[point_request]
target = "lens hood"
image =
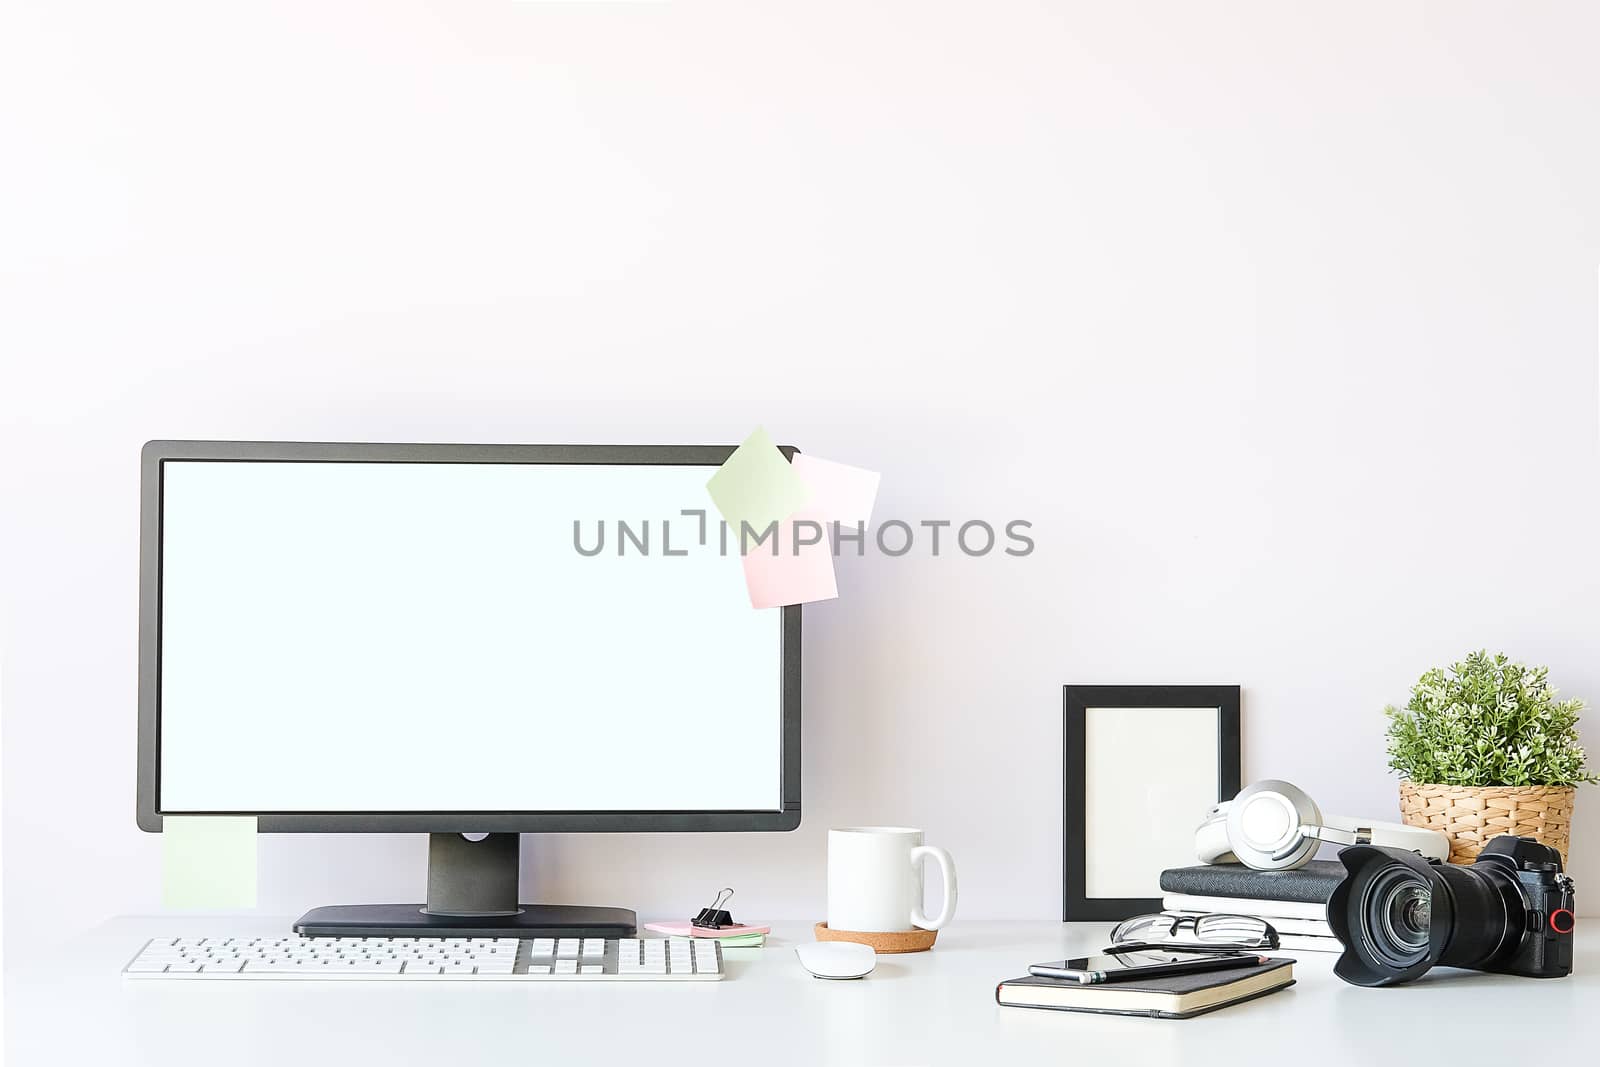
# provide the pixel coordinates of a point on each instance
(1375, 953)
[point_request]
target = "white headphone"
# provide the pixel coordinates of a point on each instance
(1274, 826)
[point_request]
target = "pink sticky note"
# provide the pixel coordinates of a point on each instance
(685, 928)
(791, 577)
(839, 493)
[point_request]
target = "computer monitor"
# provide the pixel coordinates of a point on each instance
(392, 638)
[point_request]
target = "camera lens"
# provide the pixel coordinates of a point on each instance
(1394, 913)
(1416, 906)
(1396, 916)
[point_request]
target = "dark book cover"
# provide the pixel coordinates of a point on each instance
(1311, 884)
(1155, 993)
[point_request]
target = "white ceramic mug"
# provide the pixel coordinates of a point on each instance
(875, 880)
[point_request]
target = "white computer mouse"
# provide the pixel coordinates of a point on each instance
(837, 959)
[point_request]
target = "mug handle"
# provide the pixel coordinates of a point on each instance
(947, 868)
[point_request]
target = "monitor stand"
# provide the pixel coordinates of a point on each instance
(472, 892)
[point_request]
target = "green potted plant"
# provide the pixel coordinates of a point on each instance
(1485, 748)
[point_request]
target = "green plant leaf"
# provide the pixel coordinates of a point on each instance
(1487, 721)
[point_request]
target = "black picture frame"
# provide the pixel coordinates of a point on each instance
(1077, 905)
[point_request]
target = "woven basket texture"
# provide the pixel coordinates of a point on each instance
(1469, 815)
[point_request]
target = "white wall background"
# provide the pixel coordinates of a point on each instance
(1279, 323)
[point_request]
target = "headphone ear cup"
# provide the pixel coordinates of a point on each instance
(1316, 812)
(1264, 824)
(1211, 838)
(1299, 857)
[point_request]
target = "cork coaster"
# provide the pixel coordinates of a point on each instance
(890, 941)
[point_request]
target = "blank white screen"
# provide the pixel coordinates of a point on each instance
(398, 637)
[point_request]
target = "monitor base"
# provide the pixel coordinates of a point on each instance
(410, 920)
(472, 892)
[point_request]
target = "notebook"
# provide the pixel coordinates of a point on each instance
(1307, 943)
(1270, 910)
(1178, 996)
(1312, 884)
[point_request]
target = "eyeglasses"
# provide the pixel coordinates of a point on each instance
(1197, 933)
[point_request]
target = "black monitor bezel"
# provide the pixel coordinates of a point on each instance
(156, 453)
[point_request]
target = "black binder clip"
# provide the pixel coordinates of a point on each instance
(715, 917)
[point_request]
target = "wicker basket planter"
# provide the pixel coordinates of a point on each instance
(1471, 814)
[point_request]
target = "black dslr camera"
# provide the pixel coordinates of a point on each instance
(1398, 915)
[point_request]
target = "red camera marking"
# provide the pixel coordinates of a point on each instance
(1562, 921)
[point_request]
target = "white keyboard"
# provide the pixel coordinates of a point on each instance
(493, 959)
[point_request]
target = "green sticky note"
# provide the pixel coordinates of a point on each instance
(208, 861)
(743, 941)
(756, 485)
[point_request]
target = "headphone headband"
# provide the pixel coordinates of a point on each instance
(1275, 826)
(1343, 830)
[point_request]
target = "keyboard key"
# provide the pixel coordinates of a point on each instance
(593, 968)
(594, 947)
(543, 946)
(567, 948)
(566, 966)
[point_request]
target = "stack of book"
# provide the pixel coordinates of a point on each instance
(1294, 902)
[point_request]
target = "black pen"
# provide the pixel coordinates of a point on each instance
(1096, 976)
(1163, 970)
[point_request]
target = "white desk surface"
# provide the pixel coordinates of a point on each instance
(930, 1008)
